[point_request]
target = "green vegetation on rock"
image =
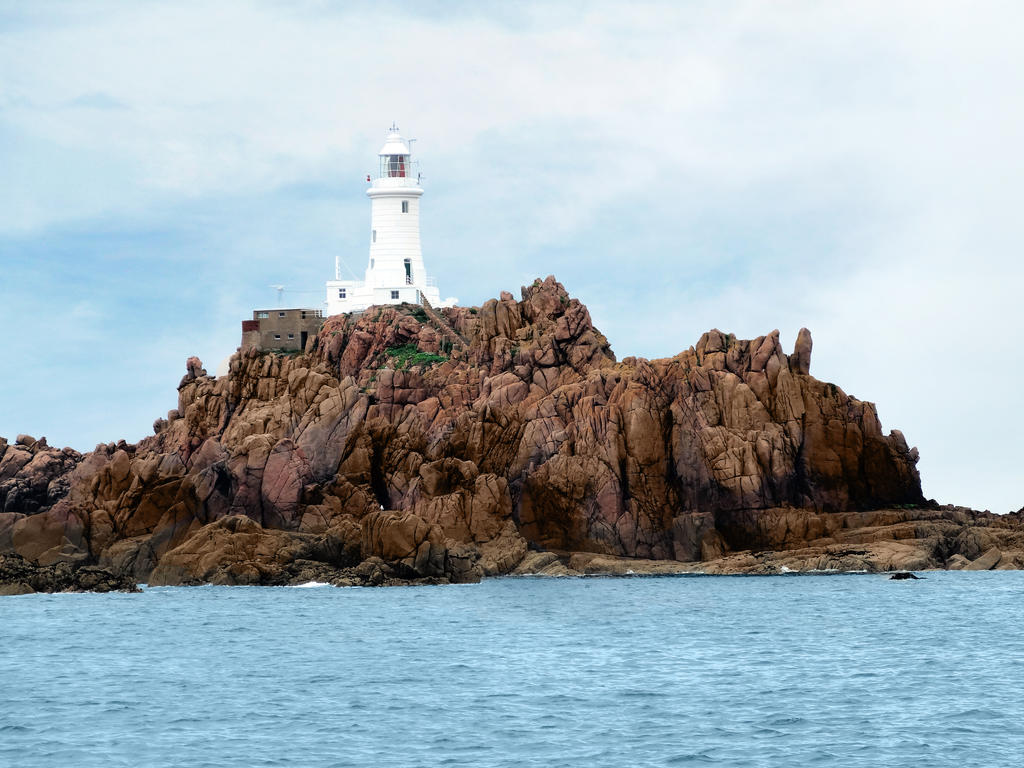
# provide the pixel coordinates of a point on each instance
(409, 355)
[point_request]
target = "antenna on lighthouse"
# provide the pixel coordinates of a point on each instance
(280, 293)
(337, 269)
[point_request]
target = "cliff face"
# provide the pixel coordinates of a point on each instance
(411, 443)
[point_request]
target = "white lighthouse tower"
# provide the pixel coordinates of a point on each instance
(395, 272)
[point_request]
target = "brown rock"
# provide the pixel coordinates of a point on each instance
(800, 360)
(985, 562)
(238, 550)
(404, 539)
(727, 457)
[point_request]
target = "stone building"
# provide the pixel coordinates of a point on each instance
(285, 330)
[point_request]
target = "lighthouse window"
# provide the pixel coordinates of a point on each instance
(405, 206)
(395, 165)
(341, 293)
(374, 235)
(394, 294)
(408, 271)
(280, 314)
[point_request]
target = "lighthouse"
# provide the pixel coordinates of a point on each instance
(395, 273)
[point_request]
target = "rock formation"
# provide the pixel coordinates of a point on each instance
(19, 576)
(410, 444)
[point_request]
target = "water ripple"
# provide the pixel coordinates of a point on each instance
(810, 671)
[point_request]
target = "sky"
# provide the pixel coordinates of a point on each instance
(853, 167)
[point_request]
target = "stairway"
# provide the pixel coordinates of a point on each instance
(457, 340)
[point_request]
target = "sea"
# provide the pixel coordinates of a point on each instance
(783, 671)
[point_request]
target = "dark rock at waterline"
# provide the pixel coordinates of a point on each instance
(902, 576)
(18, 576)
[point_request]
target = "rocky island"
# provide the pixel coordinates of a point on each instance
(411, 444)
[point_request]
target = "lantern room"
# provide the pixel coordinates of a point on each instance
(394, 156)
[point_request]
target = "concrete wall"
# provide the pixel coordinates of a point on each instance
(281, 329)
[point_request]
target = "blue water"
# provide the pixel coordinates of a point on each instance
(772, 671)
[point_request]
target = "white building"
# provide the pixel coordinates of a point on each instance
(395, 272)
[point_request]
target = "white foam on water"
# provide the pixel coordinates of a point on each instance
(310, 585)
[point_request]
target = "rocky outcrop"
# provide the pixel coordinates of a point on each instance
(447, 445)
(238, 550)
(33, 476)
(19, 576)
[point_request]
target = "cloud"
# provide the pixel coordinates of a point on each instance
(854, 167)
(96, 100)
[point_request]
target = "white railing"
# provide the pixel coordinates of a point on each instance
(395, 182)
